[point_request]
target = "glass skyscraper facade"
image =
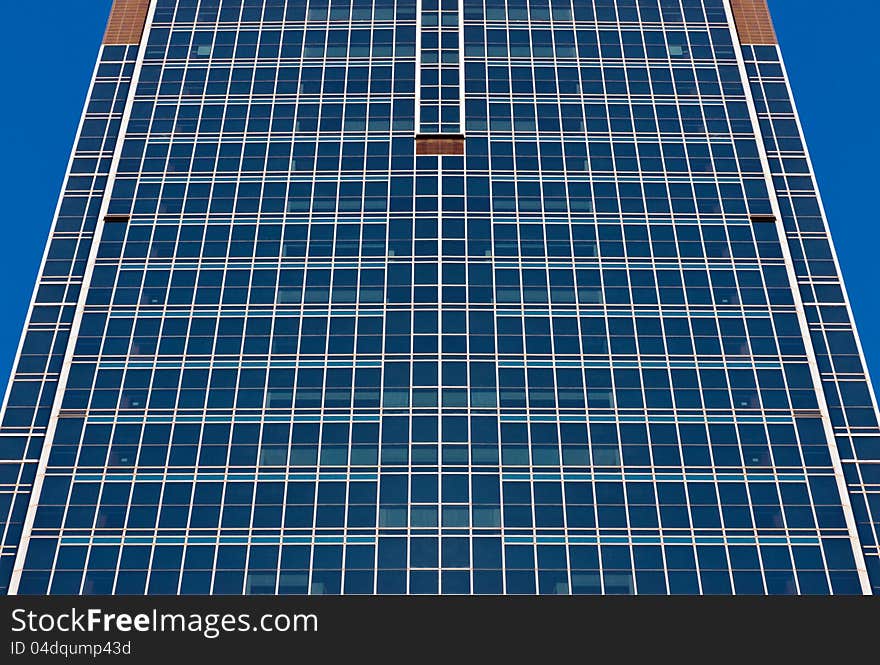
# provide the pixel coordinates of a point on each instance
(440, 296)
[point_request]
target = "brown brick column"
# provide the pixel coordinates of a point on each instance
(127, 21)
(753, 22)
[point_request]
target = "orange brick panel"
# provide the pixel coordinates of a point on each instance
(753, 22)
(439, 145)
(127, 21)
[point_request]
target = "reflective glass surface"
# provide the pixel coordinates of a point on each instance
(605, 351)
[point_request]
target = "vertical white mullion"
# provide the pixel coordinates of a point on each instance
(31, 305)
(827, 231)
(828, 238)
(855, 543)
(440, 317)
(461, 104)
(418, 113)
(27, 527)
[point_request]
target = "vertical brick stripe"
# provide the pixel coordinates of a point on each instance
(127, 20)
(753, 22)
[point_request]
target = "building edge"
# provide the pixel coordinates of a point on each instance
(122, 24)
(751, 24)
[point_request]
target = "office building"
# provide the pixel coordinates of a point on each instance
(440, 296)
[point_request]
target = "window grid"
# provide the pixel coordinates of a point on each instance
(38, 362)
(567, 362)
(847, 389)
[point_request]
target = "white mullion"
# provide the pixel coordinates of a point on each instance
(803, 324)
(27, 527)
(418, 82)
(461, 87)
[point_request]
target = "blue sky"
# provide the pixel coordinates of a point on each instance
(829, 50)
